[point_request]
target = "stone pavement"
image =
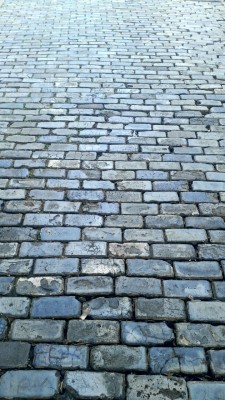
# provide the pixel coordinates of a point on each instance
(112, 176)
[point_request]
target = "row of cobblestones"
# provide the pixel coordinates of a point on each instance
(112, 198)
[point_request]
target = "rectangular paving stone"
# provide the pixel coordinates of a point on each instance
(159, 197)
(118, 358)
(61, 206)
(164, 221)
(103, 266)
(86, 248)
(40, 384)
(8, 250)
(187, 288)
(94, 385)
(160, 309)
(14, 354)
(158, 387)
(60, 357)
(60, 233)
(129, 286)
(89, 285)
(204, 335)
(18, 234)
(40, 286)
(219, 290)
(83, 220)
(186, 235)
(213, 311)
(93, 332)
(173, 251)
(14, 306)
(37, 330)
(6, 284)
(211, 251)
(108, 308)
(56, 307)
(139, 209)
(145, 333)
(15, 267)
(197, 269)
(83, 195)
(56, 266)
(105, 234)
(159, 268)
(180, 360)
(217, 361)
(43, 220)
(129, 250)
(206, 390)
(36, 249)
(142, 235)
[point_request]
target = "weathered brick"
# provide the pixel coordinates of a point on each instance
(160, 309)
(14, 355)
(56, 307)
(14, 306)
(206, 390)
(204, 335)
(109, 308)
(29, 384)
(118, 358)
(89, 285)
(102, 266)
(95, 385)
(181, 360)
(213, 311)
(37, 331)
(159, 268)
(158, 387)
(60, 357)
(144, 333)
(138, 286)
(89, 332)
(187, 289)
(173, 251)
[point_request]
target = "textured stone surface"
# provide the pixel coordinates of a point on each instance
(98, 331)
(60, 357)
(112, 198)
(29, 384)
(157, 387)
(118, 358)
(206, 390)
(95, 385)
(180, 360)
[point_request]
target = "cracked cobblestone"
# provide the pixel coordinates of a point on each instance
(112, 199)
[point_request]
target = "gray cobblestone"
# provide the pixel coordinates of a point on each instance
(60, 357)
(42, 384)
(112, 198)
(56, 307)
(160, 309)
(140, 386)
(118, 358)
(89, 332)
(14, 354)
(37, 331)
(206, 390)
(204, 335)
(144, 333)
(95, 384)
(181, 360)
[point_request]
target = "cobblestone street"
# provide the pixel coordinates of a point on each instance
(112, 196)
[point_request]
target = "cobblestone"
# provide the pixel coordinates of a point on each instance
(112, 199)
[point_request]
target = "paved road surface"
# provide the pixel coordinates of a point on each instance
(112, 175)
